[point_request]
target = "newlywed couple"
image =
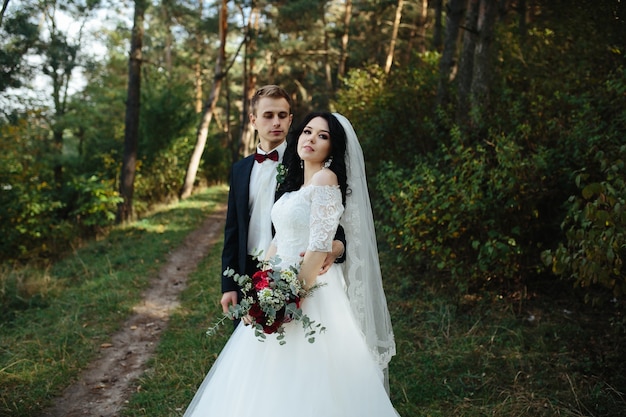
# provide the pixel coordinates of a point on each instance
(323, 195)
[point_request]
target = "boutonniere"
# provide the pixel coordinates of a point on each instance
(281, 173)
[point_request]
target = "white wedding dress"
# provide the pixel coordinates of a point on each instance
(336, 376)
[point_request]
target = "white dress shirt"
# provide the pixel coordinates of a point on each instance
(260, 201)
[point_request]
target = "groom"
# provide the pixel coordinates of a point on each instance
(248, 226)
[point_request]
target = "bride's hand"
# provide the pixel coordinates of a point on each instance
(247, 319)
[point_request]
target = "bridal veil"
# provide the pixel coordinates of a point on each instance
(362, 267)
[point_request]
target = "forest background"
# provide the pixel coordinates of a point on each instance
(493, 130)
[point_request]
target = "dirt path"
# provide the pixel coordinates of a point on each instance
(104, 387)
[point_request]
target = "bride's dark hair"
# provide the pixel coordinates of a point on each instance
(295, 173)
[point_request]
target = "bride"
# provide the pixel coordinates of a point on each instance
(344, 372)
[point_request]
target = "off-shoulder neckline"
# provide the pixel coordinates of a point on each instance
(319, 186)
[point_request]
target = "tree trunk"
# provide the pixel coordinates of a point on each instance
(246, 143)
(327, 69)
(423, 25)
(57, 146)
(197, 65)
(446, 65)
(417, 34)
(270, 63)
(203, 128)
(131, 132)
(438, 29)
(466, 63)
(197, 70)
(59, 63)
(483, 64)
(521, 12)
(5, 4)
(394, 37)
(167, 48)
(345, 38)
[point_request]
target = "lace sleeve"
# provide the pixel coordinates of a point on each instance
(326, 210)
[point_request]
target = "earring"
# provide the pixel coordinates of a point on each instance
(301, 164)
(328, 162)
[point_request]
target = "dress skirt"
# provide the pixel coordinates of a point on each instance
(336, 376)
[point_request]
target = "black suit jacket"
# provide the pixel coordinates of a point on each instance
(235, 249)
(235, 252)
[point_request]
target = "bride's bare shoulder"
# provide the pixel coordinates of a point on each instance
(324, 177)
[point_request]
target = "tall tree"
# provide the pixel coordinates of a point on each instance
(246, 140)
(483, 62)
(167, 21)
(19, 37)
(438, 27)
(131, 132)
(423, 26)
(345, 39)
(466, 62)
(203, 128)
(59, 65)
(61, 56)
(394, 36)
(521, 13)
(454, 14)
(327, 57)
(418, 32)
(5, 4)
(197, 66)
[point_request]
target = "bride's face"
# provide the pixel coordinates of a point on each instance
(314, 141)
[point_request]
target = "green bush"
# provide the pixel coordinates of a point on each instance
(465, 212)
(478, 205)
(31, 220)
(39, 219)
(391, 113)
(92, 202)
(595, 226)
(43, 221)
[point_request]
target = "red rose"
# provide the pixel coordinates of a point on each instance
(273, 328)
(261, 279)
(280, 319)
(257, 313)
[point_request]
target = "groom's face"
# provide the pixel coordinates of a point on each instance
(272, 121)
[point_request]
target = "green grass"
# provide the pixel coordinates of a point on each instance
(484, 357)
(478, 355)
(45, 340)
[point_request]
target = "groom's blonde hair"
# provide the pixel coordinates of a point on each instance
(272, 91)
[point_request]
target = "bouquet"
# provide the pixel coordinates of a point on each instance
(271, 298)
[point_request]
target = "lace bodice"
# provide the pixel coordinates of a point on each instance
(306, 219)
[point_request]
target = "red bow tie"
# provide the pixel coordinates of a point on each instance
(260, 157)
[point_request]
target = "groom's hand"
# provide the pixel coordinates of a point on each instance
(332, 256)
(228, 298)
